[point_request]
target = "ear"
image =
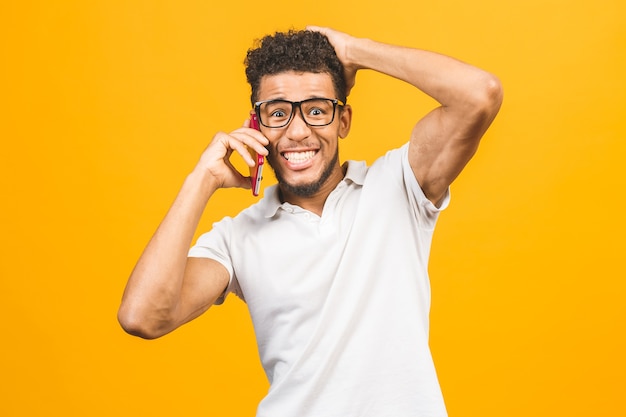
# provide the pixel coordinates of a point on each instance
(345, 120)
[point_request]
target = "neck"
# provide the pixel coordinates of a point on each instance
(314, 202)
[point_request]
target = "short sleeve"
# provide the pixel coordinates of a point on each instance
(215, 245)
(424, 205)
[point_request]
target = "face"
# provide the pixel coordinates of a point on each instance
(304, 158)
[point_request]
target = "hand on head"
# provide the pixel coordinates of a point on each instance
(341, 42)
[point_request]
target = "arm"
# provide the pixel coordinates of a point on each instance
(442, 142)
(166, 288)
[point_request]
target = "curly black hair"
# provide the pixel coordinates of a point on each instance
(295, 50)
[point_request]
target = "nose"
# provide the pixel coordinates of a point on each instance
(297, 129)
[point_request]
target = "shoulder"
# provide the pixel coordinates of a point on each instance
(387, 164)
(394, 175)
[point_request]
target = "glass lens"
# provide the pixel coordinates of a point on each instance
(317, 112)
(275, 113)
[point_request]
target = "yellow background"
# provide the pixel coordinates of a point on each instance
(106, 106)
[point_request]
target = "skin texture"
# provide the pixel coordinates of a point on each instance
(166, 289)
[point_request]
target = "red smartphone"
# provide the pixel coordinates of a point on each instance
(256, 173)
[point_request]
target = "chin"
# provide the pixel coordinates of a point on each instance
(306, 189)
(302, 190)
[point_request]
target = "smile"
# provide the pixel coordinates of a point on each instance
(298, 157)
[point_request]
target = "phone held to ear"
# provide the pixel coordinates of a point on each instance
(256, 173)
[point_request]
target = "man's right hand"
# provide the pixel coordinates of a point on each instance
(215, 160)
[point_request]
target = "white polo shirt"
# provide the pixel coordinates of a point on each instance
(340, 303)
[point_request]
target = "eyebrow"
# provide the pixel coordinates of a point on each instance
(297, 101)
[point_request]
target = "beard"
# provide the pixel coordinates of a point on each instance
(308, 189)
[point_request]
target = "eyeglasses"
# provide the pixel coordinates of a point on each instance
(314, 111)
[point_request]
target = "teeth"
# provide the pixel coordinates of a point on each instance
(298, 157)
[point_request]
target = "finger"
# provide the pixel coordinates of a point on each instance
(242, 149)
(314, 28)
(253, 139)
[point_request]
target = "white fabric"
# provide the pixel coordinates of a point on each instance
(340, 303)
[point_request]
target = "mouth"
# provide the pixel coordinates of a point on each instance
(297, 158)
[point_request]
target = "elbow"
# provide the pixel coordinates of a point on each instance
(481, 105)
(136, 324)
(488, 97)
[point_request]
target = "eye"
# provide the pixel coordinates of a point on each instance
(317, 109)
(276, 109)
(277, 113)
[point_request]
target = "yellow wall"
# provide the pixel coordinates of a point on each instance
(106, 105)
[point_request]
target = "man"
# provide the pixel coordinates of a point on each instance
(332, 262)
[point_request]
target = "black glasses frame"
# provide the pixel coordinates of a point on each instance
(298, 104)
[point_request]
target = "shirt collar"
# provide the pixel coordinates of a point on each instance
(355, 173)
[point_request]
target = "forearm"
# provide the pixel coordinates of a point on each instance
(153, 292)
(454, 84)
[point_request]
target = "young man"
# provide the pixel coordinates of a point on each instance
(332, 262)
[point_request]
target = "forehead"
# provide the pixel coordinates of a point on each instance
(296, 86)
